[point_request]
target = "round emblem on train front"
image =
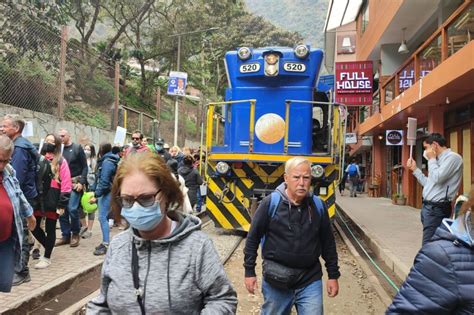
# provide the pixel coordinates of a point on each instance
(270, 128)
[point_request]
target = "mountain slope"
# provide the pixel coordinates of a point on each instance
(304, 16)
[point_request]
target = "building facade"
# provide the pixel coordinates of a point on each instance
(423, 58)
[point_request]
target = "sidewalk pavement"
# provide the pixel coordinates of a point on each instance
(66, 264)
(393, 232)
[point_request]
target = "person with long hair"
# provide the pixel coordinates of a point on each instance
(54, 199)
(164, 263)
(87, 220)
(441, 280)
(106, 168)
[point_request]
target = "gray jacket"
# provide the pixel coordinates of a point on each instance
(179, 274)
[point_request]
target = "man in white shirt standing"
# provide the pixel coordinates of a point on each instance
(441, 185)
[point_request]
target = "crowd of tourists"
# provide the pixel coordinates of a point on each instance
(162, 263)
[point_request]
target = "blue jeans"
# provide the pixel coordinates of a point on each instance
(431, 217)
(69, 221)
(353, 182)
(103, 204)
(199, 201)
(7, 264)
(308, 300)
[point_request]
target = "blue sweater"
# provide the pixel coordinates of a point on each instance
(106, 168)
(441, 280)
(24, 160)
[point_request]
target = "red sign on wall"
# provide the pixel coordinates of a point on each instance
(354, 83)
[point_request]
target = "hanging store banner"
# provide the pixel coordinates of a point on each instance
(177, 83)
(394, 137)
(354, 82)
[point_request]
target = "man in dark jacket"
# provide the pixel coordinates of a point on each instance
(442, 278)
(77, 161)
(160, 149)
(192, 179)
(294, 239)
(24, 160)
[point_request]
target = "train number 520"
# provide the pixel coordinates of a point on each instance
(294, 67)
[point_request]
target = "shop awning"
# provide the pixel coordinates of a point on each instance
(341, 12)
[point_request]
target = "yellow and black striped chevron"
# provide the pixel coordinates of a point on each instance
(228, 198)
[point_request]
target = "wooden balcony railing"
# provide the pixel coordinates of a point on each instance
(456, 32)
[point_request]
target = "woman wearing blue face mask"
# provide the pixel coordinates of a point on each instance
(442, 278)
(163, 264)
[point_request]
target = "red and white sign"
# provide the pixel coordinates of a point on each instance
(354, 83)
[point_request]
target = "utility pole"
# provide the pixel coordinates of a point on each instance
(178, 66)
(116, 92)
(176, 102)
(158, 113)
(62, 71)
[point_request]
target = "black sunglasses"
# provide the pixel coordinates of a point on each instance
(133, 138)
(146, 200)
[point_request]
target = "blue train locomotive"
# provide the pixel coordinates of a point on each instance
(272, 112)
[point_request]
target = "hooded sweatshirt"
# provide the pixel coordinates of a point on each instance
(106, 169)
(179, 274)
(441, 280)
(192, 180)
(24, 160)
(295, 237)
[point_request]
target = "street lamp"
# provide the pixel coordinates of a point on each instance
(176, 104)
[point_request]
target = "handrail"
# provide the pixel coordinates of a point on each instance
(441, 31)
(210, 115)
(287, 121)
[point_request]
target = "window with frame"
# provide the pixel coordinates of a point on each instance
(365, 16)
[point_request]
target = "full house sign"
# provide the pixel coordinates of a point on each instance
(354, 83)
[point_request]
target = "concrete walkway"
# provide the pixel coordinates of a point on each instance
(395, 232)
(68, 264)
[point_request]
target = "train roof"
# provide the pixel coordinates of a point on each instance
(282, 49)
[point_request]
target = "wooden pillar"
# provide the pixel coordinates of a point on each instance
(378, 161)
(436, 119)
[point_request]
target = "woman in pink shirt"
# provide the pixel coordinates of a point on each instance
(57, 187)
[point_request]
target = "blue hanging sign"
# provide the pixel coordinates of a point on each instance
(177, 83)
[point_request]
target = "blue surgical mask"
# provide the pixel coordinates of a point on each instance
(143, 218)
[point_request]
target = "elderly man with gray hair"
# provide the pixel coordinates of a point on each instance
(13, 208)
(24, 161)
(294, 229)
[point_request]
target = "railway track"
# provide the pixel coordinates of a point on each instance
(384, 281)
(66, 303)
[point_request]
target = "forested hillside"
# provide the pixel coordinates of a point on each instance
(304, 16)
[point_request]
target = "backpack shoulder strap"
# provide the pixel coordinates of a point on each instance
(319, 205)
(275, 198)
(274, 201)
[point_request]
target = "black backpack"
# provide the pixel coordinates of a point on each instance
(44, 175)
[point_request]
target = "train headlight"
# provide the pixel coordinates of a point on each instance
(271, 59)
(317, 171)
(244, 53)
(271, 70)
(222, 168)
(271, 64)
(301, 51)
